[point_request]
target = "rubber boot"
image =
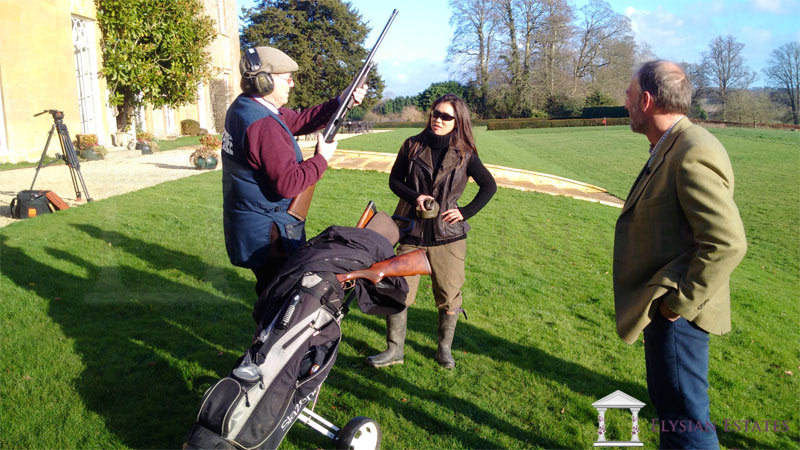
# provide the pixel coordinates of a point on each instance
(447, 327)
(395, 340)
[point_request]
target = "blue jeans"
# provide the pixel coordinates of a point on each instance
(676, 355)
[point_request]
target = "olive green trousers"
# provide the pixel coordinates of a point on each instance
(447, 277)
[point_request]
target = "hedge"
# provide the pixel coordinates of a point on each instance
(593, 112)
(420, 125)
(190, 127)
(720, 124)
(399, 124)
(515, 124)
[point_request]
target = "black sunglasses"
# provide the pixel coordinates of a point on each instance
(440, 115)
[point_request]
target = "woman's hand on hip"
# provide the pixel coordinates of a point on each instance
(452, 216)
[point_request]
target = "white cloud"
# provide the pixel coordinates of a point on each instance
(410, 77)
(659, 28)
(754, 35)
(768, 5)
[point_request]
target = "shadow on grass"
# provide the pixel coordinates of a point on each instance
(429, 423)
(150, 345)
(172, 166)
(472, 339)
(226, 280)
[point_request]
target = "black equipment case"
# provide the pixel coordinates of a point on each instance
(30, 204)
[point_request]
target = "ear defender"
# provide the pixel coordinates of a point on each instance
(260, 81)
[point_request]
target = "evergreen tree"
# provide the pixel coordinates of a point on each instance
(436, 90)
(325, 38)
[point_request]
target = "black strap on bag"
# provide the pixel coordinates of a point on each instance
(14, 208)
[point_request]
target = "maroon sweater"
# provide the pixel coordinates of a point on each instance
(272, 150)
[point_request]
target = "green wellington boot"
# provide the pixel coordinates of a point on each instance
(395, 340)
(447, 327)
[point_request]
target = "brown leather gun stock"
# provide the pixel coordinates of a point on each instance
(298, 208)
(414, 263)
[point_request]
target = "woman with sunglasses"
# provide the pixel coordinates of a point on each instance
(435, 165)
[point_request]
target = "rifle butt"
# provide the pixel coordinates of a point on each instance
(405, 265)
(298, 208)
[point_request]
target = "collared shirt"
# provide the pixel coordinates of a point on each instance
(267, 104)
(655, 148)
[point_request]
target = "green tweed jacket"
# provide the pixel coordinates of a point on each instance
(679, 236)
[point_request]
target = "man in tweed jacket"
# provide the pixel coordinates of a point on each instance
(678, 238)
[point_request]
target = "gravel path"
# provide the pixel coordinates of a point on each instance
(121, 171)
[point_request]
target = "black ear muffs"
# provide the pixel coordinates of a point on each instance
(260, 81)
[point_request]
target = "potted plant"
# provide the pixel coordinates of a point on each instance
(145, 143)
(205, 157)
(88, 149)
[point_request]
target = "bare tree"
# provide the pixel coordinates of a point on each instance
(750, 107)
(784, 72)
(473, 41)
(698, 74)
(643, 52)
(554, 37)
(507, 15)
(600, 29)
(519, 25)
(532, 14)
(726, 67)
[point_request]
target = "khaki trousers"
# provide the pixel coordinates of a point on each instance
(447, 277)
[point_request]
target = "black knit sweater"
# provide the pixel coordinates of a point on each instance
(475, 169)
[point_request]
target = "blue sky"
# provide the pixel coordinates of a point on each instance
(412, 55)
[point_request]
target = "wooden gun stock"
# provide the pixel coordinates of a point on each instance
(298, 208)
(414, 263)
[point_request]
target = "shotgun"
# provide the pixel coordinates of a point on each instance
(408, 264)
(300, 204)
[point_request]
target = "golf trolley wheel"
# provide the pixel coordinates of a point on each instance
(361, 433)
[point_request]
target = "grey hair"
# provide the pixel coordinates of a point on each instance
(668, 84)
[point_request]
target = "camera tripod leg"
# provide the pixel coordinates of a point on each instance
(44, 152)
(74, 164)
(69, 155)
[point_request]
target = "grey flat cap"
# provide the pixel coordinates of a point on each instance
(272, 61)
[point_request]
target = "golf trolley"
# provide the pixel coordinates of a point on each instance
(277, 381)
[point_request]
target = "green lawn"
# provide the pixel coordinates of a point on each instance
(119, 314)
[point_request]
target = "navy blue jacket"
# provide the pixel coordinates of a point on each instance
(250, 205)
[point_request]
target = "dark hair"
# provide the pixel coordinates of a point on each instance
(668, 84)
(461, 136)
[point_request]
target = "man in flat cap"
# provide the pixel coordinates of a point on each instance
(262, 167)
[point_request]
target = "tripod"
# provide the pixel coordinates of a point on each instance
(69, 156)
